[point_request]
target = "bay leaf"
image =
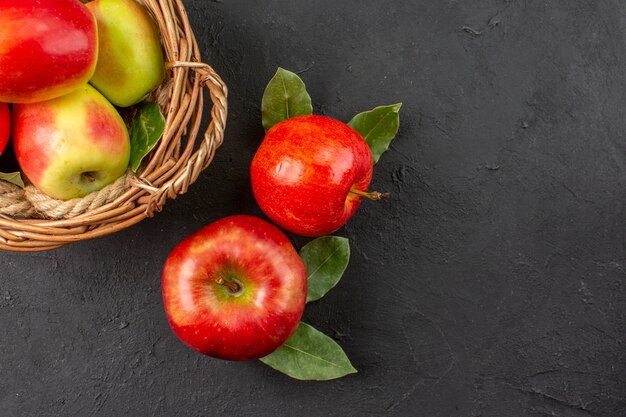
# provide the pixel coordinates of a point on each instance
(147, 128)
(326, 258)
(14, 178)
(285, 96)
(310, 355)
(378, 127)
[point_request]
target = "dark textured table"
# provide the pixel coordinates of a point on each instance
(491, 284)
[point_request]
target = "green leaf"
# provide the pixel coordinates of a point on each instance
(147, 128)
(310, 355)
(285, 96)
(12, 177)
(326, 259)
(378, 127)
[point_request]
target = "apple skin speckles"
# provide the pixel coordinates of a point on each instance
(304, 170)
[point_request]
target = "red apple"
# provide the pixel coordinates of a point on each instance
(5, 126)
(47, 48)
(235, 290)
(310, 174)
(72, 145)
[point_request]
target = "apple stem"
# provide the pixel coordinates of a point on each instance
(232, 286)
(89, 176)
(370, 195)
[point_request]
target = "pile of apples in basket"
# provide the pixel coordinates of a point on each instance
(237, 288)
(66, 68)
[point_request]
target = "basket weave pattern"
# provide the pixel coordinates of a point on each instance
(32, 221)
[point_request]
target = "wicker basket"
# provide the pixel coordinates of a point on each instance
(32, 221)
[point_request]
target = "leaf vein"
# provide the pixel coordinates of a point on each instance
(324, 262)
(311, 355)
(382, 119)
(282, 79)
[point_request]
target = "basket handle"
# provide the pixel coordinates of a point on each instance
(218, 91)
(213, 138)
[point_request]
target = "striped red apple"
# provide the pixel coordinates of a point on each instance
(47, 48)
(311, 173)
(72, 145)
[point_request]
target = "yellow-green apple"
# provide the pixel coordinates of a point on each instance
(130, 59)
(47, 48)
(310, 174)
(5, 126)
(71, 145)
(234, 290)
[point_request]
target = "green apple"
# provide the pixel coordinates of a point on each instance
(72, 145)
(130, 56)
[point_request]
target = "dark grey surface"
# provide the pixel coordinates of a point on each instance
(490, 285)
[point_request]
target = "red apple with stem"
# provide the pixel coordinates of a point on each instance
(234, 290)
(5, 126)
(310, 174)
(47, 48)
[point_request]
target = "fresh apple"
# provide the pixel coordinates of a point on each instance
(130, 59)
(47, 48)
(5, 126)
(72, 145)
(235, 290)
(310, 174)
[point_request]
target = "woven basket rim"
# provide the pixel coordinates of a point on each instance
(167, 172)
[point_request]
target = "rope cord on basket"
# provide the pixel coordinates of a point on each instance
(30, 201)
(13, 201)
